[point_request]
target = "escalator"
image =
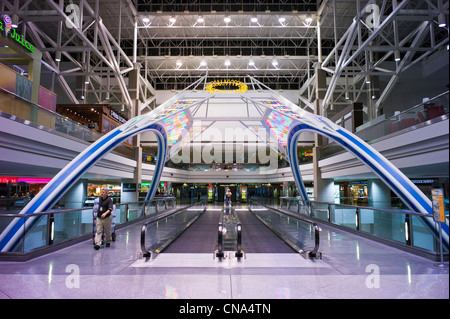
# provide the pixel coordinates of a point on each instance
(223, 231)
(258, 238)
(200, 237)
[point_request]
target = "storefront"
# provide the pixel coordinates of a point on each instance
(94, 190)
(99, 117)
(16, 192)
(353, 193)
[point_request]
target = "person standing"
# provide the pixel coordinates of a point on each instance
(228, 196)
(104, 219)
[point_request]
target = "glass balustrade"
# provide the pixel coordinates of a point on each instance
(402, 226)
(54, 226)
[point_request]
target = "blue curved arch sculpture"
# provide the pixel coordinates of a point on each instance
(411, 195)
(68, 176)
(300, 120)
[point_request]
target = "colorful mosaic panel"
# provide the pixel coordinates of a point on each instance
(279, 107)
(175, 126)
(279, 125)
(177, 106)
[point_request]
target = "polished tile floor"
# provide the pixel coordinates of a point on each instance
(351, 268)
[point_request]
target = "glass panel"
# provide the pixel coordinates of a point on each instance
(121, 213)
(165, 229)
(423, 237)
(300, 233)
(134, 210)
(4, 222)
(37, 236)
(320, 211)
(344, 216)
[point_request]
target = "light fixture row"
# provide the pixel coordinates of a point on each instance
(227, 19)
(227, 62)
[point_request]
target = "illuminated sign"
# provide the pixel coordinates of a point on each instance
(5, 25)
(117, 117)
(226, 86)
(13, 180)
(29, 180)
(8, 24)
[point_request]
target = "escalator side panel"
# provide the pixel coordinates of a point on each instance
(257, 238)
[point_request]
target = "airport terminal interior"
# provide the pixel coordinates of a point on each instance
(253, 150)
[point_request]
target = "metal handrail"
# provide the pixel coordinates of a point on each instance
(239, 235)
(315, 251)
(147, 253)
(61, 211)
(219, 252)
(407, 244)
(51, 220)
(359, 207)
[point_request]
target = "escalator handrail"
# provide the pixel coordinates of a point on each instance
(145, 252)
(239, 233)
(316, 228)
(220, 235)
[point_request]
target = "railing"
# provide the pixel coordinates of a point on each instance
(286, 232)
(219, 251)
(398, 227)
(61, 227)
(19, 109)
(430, 112)
(239, 252)
(229, 221)
(163, 229)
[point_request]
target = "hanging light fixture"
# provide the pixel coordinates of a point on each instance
(58, 56)
(441, 20)
(347, 95)
(397, 56)
(15, 21)
(227, 19)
